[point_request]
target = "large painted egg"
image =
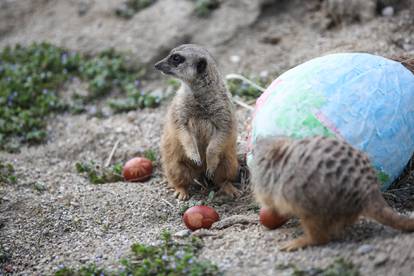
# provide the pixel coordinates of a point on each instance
(366, 100)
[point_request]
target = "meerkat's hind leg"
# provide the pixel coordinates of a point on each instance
(229, 189)
(181, 193)
(226, 173)
(316, 232)
(180, 177)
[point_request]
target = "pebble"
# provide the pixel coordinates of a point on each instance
(364, 249)
(83, 8)
(235, 59)
(408, 47)
(40, 186)
(388, 11)
(8, 268)
(380, 259)
(182, 234)
(264, 74)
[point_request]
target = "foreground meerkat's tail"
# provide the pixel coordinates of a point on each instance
(379, 210)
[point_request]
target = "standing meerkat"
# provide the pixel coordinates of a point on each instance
(200, 132)
(324, 182)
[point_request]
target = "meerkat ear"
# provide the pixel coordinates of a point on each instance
(201, 65)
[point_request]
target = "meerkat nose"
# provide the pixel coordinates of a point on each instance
(158, 65)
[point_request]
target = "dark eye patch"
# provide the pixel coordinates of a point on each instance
(176, 59)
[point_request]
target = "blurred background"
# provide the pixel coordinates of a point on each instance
(270, 35)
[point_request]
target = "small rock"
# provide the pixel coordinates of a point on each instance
(84, 259)
(235, 59)
(364, 249)
(264, 74)
(83, 8)
(131, 116)
(380, 259)
(182, 234)
(388, 11)
(273, 40)
(408, 47)
(8, 268)
(39, 186)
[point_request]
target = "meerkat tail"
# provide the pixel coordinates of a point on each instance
(380, 211)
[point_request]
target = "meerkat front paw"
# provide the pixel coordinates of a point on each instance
(195, 158)
(210, 173)
(181, 193)
(230, 190)
(212, 163)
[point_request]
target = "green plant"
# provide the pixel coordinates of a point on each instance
(98, 174)
(242, 89)
(150, 154)
(174, 83)
(4, 256)
(133, 102)
(338, 267)
(204, 8)
(7, 173)
(190, 203)
(130, 7)
(167, 258)
(31, 76)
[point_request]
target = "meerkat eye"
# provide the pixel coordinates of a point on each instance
(177, 59)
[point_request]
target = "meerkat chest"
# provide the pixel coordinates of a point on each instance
(202, 129)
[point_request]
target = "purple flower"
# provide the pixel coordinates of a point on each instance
(11, 97)
(179, 254)
(137, 83)
(64, 58)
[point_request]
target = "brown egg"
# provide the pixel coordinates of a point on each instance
(198, 217)
(137, 169)
(271, 219)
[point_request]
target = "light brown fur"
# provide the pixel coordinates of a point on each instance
(324, 182)
(200, 131)
(407, 61)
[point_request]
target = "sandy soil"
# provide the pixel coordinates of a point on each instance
(73, 222)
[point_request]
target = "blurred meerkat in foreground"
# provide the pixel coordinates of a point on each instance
(324, 182)
(200, 132)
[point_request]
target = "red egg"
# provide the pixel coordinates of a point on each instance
(137, 169)
(198, 217)
(271, 219)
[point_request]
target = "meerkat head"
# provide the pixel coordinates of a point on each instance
(187, 62)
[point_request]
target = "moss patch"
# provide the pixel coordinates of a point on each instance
(167, 258)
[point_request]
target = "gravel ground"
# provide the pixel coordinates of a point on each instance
(68, 221)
